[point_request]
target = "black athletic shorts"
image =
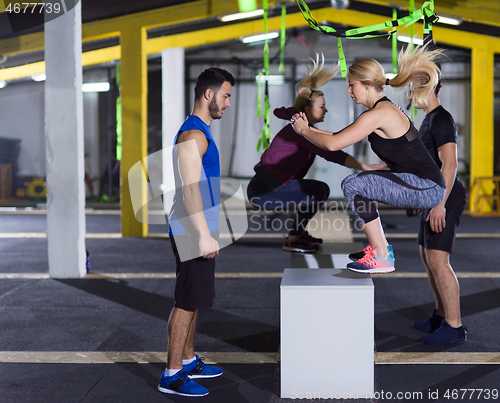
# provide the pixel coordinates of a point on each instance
(445, 240)
(195, 284)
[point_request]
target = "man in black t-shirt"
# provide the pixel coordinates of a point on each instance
(438, 227)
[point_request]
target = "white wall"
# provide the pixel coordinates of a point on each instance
(22, 117)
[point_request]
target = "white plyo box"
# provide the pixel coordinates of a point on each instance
(327, 334)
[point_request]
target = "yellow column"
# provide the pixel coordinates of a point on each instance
(134, 126)
(482, 125)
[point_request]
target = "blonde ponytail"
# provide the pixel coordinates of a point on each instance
(319, 76)
(417, 67)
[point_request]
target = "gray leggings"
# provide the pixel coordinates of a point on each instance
(397, 189)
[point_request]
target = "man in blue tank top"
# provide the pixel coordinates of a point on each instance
(194, 224)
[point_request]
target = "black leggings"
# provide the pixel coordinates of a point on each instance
(303, 195)
(399, 189)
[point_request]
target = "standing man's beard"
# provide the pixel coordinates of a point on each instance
(214, 109)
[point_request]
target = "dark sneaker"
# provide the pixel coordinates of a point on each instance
(299, 244)
(309, 238)
(446, 335)
(372, 263)
(179, 384)
(430, 325)
(198, 369)
(358, 255)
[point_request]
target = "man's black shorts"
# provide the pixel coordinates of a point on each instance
(445, 240)
(195, 284)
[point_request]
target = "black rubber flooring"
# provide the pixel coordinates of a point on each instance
(132, 314)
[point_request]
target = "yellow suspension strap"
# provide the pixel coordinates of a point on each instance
(282, 40)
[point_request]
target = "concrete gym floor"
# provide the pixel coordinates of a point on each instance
(103, 338)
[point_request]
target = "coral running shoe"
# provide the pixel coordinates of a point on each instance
(373, 263)
(358, 255)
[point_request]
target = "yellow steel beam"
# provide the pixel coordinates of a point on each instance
(481, 12)
(22, 44)
(26, 70)
(161, 17)
(99, 56)
(482, 125)
(220, 34)
(134, 87)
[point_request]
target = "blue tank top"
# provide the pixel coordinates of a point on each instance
(180, 223)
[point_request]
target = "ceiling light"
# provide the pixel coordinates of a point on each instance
(95, 87)
(407, 39)
(260, 37)
(340, 4)
(242, 16)
(38, 77)
(447, 19)
(271, 79)
(3, 83)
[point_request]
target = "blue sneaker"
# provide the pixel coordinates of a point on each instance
(198, 369)
(446, 335)
(372, 263)
(430, 325)
(179, 384)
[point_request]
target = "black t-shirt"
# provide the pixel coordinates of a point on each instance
(406, 154)
(438, 129)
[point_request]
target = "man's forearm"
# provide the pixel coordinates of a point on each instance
(194, 207)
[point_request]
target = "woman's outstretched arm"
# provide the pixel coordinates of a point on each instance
(334, 141)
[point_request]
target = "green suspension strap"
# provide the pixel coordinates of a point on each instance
(428, 25)
(394, 46)
(413, 110)
(265, 138)
(118, 115)
(372, 31)
(282, 40)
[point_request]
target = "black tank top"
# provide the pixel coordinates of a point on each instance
(406, 153)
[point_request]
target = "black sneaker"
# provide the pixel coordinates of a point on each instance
(299, 243)
(308, 237)
(430, 325)
(446, 335)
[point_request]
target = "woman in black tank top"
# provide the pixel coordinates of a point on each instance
(414, 180)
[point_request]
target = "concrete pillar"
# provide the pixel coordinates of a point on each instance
(173, 91)
(64, 145)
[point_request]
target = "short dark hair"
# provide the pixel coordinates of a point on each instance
(437, 88)
(211, 78)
